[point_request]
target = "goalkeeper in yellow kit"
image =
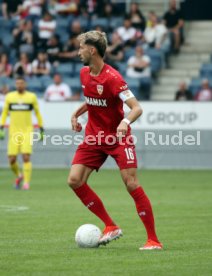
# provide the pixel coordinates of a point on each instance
(19, 105)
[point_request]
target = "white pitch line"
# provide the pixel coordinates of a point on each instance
(12, 208)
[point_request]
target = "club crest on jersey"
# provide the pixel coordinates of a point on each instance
(100, 89)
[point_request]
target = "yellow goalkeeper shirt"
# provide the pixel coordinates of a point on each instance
(19, 106)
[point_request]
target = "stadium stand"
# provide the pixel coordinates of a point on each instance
(22, 34)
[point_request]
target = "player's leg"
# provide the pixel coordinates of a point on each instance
(143, 206)
(26, 150)
(77, 180)
(16, 170)
(125, 157)
(12, 152)
(27, 170)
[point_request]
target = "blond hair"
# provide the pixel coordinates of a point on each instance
(96, 39)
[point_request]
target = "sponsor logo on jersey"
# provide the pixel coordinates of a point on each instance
(20, 107)
(100, 89)
(96, 102)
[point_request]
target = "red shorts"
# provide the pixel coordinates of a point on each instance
(93, 156)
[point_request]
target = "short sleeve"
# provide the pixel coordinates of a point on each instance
(118, 85)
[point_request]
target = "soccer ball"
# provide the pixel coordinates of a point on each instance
(87, 236)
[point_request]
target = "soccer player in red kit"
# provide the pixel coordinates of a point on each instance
(107, 133)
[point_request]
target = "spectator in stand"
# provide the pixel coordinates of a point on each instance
(136, 17)
(3, 48)
(138, 66)
(53, 49)
(75, 28)
(41, 66)
(107, 11)
(5, 66)
(70, 50)
(155, 33)
(127, 33)
(66, 7)
(205, 93)
(25, 38)
(183, 94)
(3, 91)
(174, 22)
(11, 9)
(23, 67)
(32, 9)
(59, 91)
(114, 51)
(46, 26)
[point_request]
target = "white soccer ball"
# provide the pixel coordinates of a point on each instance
(88, 236)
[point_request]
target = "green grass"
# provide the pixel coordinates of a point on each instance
(40, 240)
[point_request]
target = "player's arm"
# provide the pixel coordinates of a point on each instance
(74, 118)
(4, 118)
(39, 117)
(133, 115)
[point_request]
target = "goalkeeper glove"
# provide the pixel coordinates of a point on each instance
(41, 133)
(2, 133)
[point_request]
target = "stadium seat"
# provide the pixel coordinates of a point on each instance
(10, 83)
(195, 85)
(116, 22)
(34, 84)
(129, 53)
(6, 35)
(46, 82)
(62, 22)
(206, 71)
(77, 67)
(122, 67)
(102, 22)
(83, 21)
(134, 85)
(65, 69)
(62, 33)
(74, 83)
(156, 59)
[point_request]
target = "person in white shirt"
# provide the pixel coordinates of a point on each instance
(33, 7)
(46, 26)
(139, 65)
(156, 33)
(58, 91)
(41, 66)
(127, 33)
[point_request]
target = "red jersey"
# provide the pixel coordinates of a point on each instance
(105, 108)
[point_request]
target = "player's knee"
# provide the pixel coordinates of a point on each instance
(12, 160)
(131, 183)
(26, 158)
(74, 181)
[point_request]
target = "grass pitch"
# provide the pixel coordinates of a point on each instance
(37, 227)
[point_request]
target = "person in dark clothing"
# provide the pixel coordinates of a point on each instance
(183, 94)
(137, 18)
(174, 22)
(11, 8)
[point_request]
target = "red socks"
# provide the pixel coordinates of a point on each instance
(91, 200)
(145, 213)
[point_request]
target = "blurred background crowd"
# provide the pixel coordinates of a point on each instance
(39, 42)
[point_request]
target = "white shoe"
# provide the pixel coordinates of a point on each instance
(110, 233)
